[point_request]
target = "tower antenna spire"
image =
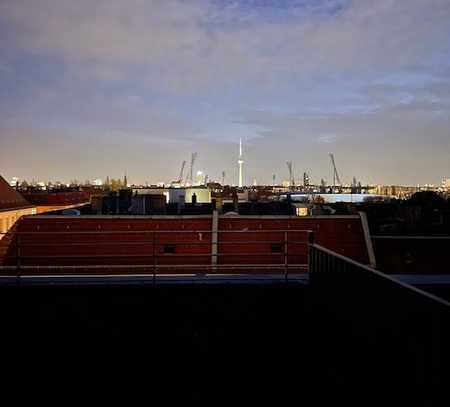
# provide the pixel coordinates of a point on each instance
(240, 163)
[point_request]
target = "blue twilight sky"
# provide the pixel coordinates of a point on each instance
(95, 88)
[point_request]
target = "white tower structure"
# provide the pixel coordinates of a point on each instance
(240, 162)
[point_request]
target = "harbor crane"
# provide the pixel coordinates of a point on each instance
(190, 175)
(180, 178)
(306, 179)
(291, 178)
(335, 172)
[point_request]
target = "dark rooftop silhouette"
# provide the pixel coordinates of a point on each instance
(10, 198)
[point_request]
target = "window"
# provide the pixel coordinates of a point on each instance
(169, 249)
(276, 247)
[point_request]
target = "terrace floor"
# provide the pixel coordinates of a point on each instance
(202, 340)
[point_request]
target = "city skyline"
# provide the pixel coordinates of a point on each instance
(90, 90)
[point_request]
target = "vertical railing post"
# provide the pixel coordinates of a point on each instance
(214, 240)
(154, 255)
(286, 261)
(309, 240)
(18, 260)
(311, 255)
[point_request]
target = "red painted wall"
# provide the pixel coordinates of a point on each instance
(69, 241)
(58, 198)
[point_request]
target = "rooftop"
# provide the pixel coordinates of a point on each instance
(10, 198)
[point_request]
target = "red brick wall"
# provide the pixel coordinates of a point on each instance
(58, 198)
(130, 240)
(343, 235)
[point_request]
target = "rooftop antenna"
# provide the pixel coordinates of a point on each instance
(240, 163)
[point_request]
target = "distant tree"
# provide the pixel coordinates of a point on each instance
(318, 200)
(426, 199)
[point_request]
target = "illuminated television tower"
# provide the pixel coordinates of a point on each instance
(240, 162)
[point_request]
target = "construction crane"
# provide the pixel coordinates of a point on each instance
(190, 175)
(180, 178)
(291, 179)
(306, 180)
(335, 172)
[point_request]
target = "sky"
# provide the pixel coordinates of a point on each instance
(90, 89)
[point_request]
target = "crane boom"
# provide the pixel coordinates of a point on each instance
(291, 179)
(335, 172)
(191, 170)
(180, 178)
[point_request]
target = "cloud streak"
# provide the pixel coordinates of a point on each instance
(188, 45)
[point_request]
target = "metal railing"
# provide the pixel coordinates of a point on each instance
(154, 252)
(402, 331)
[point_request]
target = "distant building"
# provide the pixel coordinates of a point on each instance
(200, 178)
(203, 194)
(148, 204)
(242, 195)
(395, 190)
(152, 191)
(14, 181)
(178, 195)
(446, 184)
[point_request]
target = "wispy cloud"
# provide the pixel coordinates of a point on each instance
(327, 138)
(175, 45)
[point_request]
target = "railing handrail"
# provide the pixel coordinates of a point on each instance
(64, 256)
(411, 237)
(149, 242)
(156, 231)
(150, 266)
